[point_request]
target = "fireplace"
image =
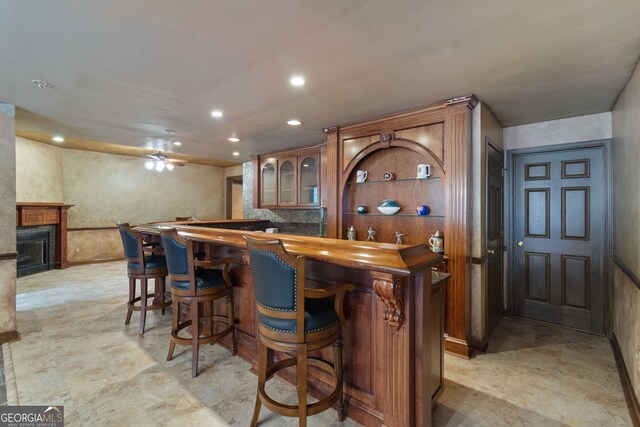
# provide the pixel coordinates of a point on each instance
(36, 247)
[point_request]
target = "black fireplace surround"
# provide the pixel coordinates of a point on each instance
(36, 247)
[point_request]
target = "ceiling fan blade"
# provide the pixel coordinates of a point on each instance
(177, 162)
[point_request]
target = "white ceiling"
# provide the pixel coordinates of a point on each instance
(124, 70)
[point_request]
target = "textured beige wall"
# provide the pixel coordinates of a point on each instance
(38, 172)
(107, 188)
(484, 125)
(7, 217)
(93, 245)
(563, 131)
(626, 228)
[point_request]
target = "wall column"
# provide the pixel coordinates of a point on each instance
(7, 223)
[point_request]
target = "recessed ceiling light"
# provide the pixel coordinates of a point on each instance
(216, 113)
(170, 131)
(294, 122)
(42, 84)
(234, 139)
(297, 81)
(58, 138)
(235, 153)
(178, 143)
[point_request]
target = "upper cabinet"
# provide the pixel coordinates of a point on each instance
(289, 179)
(308, 180)
(268, 182)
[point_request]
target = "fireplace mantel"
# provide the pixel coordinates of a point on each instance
(33, 213)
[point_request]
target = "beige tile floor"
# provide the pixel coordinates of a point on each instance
(76, 351)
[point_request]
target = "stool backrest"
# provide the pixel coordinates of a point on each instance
(132, 244)
(179, 254)
(278, 281)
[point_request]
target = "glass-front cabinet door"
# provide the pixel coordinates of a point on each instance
(268, 181)
(287, 181)
(308, 183)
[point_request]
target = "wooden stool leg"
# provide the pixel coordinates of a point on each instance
(209, 315)
(162, 286)
(262, 379)
(301, 368)
(143, 304)
(337, 364)
(232, 324)
(195, 326)
(132, 295)
(175, 319)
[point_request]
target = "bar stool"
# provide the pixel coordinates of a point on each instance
(196, 282)
(143, 267)
(295, 320)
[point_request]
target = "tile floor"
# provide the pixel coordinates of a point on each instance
(76, 351)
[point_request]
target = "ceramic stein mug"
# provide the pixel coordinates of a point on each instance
(436, 243)
(424, 171)
(361, 176)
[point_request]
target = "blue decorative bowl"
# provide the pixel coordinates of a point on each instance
(389, 207)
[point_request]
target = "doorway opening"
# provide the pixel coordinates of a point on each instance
(234, 198)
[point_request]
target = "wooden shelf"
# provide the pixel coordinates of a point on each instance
(402, 214)
(394, 180)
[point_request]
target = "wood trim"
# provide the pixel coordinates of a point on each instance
(9, 336)
(43, 204)
(625, 380)
(91, 228)
(479, 261)
(457, 347)
(97, 260)
(8, 255)
(457, 228)
(333, 203)
(626, 270)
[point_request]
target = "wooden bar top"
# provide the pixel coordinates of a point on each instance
(400, 260)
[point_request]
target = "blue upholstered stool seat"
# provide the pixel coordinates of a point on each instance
(205, 279)
(319, 314)
(150, 262)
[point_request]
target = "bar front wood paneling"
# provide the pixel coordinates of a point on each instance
(393, 338)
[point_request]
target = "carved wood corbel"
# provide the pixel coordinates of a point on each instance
(385, 139)
(391, 292)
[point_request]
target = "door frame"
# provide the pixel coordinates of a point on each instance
(490, 144)
(607, 146)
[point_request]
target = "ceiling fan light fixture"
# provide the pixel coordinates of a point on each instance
(169, 167)
(149, 164)
(160, 166)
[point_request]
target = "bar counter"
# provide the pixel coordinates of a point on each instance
(394, 328)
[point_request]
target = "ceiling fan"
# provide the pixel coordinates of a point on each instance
(160, 161)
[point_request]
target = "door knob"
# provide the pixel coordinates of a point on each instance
(520, 243)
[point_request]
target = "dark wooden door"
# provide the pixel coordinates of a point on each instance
(494, 236)
(559, 230)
